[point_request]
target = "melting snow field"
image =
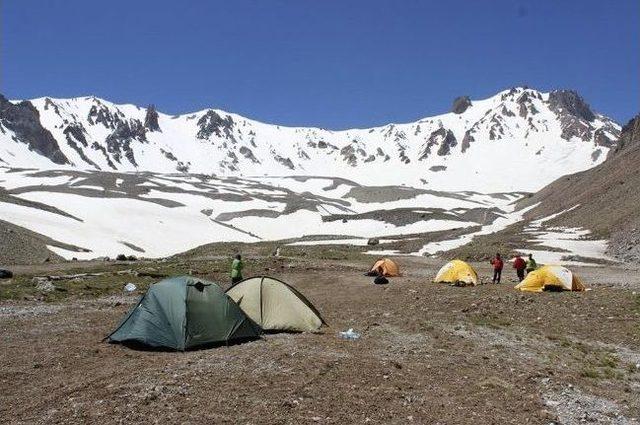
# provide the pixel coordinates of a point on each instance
(573, 241)
(157, 215)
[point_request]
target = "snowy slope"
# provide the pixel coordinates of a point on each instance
(156, 215)
(494, 145)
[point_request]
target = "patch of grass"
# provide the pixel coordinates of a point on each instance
(590, 372)
(609, 360)
(490, 321)
(23, 287)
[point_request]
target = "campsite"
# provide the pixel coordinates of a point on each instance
(427, 353)
(320, 212)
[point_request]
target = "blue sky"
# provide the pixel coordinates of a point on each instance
(330, 63)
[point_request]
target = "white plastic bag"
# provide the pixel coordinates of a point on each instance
(349, 334)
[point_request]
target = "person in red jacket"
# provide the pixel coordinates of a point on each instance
(520, 265)
(497, 264)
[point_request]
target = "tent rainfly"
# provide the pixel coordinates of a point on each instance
(386, 267)
(457, 271)
(181, 313)
(275, 305)
(551, 278)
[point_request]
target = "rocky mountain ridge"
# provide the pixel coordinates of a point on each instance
(518, 128)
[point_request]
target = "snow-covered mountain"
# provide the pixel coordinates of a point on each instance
(518, 140)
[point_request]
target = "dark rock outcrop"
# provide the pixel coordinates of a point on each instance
(212, 123)
(447, 143)
(629, 137)
(248, 153)
(24, 120)
(348, 153)
(460, 104)
(151, 119)
(120, 140)
(467, 140)
(441, 136)
(570, 102)
(75, 133)
(285, 161)
(100, 114)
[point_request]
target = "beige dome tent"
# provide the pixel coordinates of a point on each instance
(385, 267)
(457, 272)
(551, 278)
(275, 306)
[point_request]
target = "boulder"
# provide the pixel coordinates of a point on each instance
(460, 104)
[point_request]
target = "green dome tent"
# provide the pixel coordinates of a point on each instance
(275, 305)
(182, 313)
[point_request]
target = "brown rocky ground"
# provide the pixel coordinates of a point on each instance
(428, 353)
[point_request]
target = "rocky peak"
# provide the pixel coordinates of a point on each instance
(213, 123)
(629, 136)
(151, 119)
(570, 102)
(460, 104)
(24, 120)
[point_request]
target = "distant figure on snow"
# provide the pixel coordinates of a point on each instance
(520, 265)
(236, 269)
(497, 264)
(531, 264)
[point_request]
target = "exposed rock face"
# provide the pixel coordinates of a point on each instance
(348, 153)
(448, 143)
(212, 123)
(285, 161)
(24, 120)
(568, 101)
(629, 137)
(75, 133)
(119, 141)
(601, 139)
(151, 119)
(100, 114)
(248, 153)
(467, 140)
(441, 136)
(460, 104)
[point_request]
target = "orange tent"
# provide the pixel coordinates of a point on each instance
(386, 267)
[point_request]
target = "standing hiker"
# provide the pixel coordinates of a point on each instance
(497, 264)
(531, 264)
(236, 269)
(520, 265)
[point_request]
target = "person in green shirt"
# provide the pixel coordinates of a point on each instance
(531, 264)
(236, 269)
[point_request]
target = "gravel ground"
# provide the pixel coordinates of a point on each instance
(428, 354)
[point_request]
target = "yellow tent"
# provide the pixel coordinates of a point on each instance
(275, 306)
(457, 271)
(551, 278)
(386, 267)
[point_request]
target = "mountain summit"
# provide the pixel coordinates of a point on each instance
(519, 139)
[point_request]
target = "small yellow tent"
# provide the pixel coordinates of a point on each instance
(387, 267)
(457, 271)
(275, 306)
(551, 278)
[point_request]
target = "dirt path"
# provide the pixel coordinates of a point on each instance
(428, 354)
